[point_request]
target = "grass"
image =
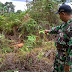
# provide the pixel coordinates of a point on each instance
(26, 57)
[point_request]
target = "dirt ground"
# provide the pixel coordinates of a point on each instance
(28, 63)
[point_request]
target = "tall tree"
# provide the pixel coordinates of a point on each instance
(43, 12)
(27, 3)
(9, 6)
(63, 1)
(1, 7)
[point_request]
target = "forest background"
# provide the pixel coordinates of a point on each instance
(23, 45)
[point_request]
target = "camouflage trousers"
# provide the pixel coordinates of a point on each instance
(63, 57)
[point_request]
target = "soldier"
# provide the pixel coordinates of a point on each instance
(63, 42)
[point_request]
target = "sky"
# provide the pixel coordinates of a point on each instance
(19, 4)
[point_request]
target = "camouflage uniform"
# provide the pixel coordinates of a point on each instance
(63, 44)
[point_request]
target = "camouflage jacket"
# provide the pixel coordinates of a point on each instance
(64, 35)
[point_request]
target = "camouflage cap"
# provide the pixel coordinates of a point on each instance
(64, 8)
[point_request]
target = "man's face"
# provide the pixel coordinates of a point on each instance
(62, 16)
(65, 16)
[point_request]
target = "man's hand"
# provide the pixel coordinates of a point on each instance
(47, 31)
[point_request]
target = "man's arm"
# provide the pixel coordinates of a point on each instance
(54, 30)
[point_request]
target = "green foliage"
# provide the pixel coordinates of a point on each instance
(4, 44)
(19, 11)
(42, 31)
(11, 71)
(7, 50)
(31, 40)
(40, 55)
(63, 0)
(29, 27)
(25, 49)
(28, 24)
(42, 9)
(9, 7)
(2, 22)
(2, 38)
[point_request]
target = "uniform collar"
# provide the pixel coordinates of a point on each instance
(69, 21)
